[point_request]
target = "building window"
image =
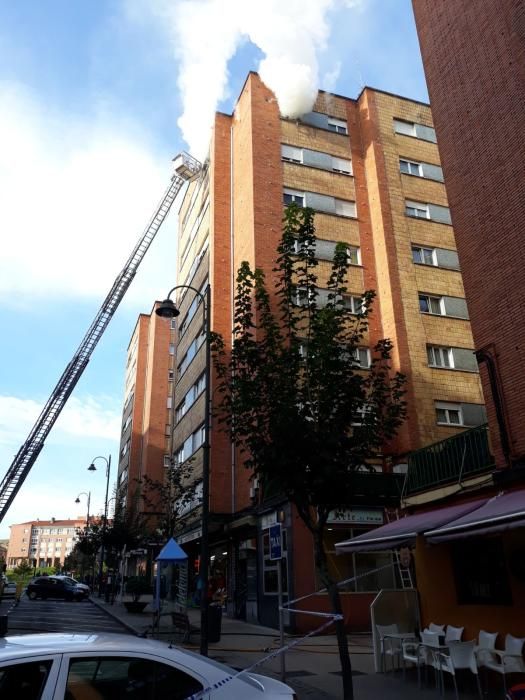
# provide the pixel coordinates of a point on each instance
(425, 210)
(167, 429)
(345, 208)
(417, 210)
(439, 356)
(341, 165)
(360, 357)
(418, 131)
(424, 256)
(293, 196)
(169, 402)
(190, 445)
(481, 572)
(410, 167)
(448, 413)
(191, 352)
(171, 374)
(172, 349)
(431, 305)
(337, 125)
(167, 460)
(173, 324)
(291, 154)
(354, 304)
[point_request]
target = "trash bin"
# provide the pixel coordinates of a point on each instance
(214, 622)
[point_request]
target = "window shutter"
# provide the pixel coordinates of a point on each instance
(324, 250)
(322, 297)
(465, 359)
(406, 128)
(440, 214)
(320, 202)
(317, 159)
(316, 119)
(455, 306)
(433, 172)
(473, 414)
(447, 258)
(427, 133)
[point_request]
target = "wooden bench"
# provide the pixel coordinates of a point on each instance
(182, 623)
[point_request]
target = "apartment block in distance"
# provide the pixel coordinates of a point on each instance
(370, 169)
(145, 442)
(42, 542)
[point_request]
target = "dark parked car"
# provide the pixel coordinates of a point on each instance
(54, 587)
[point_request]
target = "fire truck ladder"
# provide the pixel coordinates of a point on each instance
(186, 168)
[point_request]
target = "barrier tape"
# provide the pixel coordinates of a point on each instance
(277, 652)
(333, 618)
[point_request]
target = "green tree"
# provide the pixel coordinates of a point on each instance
(165, 501)
(294, 399)
(23, 570)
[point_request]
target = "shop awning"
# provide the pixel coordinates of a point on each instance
(405, 530)
(502, 512)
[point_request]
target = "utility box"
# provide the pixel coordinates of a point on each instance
(214, 622)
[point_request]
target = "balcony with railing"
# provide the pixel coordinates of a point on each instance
(449, 461)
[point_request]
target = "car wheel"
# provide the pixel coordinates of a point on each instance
(32, 595)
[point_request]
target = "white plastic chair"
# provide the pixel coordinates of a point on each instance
(486, 645)
(414, 653)
(510, 660)
(388, 646)
(453, 634)
(430, 649)
(436, 629)
(460, 656)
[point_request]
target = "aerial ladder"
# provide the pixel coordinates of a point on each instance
(185, 169)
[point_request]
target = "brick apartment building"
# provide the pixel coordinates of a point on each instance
(472, 575)
(145, 442)
(42, 542)
(370, 168)
(474, 59)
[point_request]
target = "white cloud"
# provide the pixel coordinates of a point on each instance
(86, 418)
(75, 194)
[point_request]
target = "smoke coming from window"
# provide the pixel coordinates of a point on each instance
(207, 33)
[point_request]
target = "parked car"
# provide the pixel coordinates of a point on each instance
(54, 666)
(74, 582)
(9, 587)
(54, 587)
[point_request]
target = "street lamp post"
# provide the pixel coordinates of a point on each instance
(77, 500)
(92, 468)
(167, 309)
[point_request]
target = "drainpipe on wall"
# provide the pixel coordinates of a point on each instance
(484, 355)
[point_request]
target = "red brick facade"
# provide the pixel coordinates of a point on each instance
(474, 58)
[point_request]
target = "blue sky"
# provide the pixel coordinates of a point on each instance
(90, 98)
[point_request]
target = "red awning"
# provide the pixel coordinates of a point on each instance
(502, 512)
(405, 530)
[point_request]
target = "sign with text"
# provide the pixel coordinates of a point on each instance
(276, 548)
(360, 516)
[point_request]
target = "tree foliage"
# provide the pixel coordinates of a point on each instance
(293, 396)
(165, 501)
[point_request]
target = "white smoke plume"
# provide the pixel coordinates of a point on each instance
(207, 33)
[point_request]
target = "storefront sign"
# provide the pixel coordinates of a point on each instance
(357, 516)
(189, 536)
(276, 549)
(268, 519)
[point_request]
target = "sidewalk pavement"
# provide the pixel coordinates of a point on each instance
(312, 668)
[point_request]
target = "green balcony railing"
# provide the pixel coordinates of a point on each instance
(449, 461)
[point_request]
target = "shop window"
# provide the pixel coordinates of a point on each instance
(357, 565)
(480, 572)
(270, 567)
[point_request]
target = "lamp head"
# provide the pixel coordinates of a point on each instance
(167, 309)
(77, 500)
(92, 468)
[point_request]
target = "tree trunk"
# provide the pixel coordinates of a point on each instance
(333, 593)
